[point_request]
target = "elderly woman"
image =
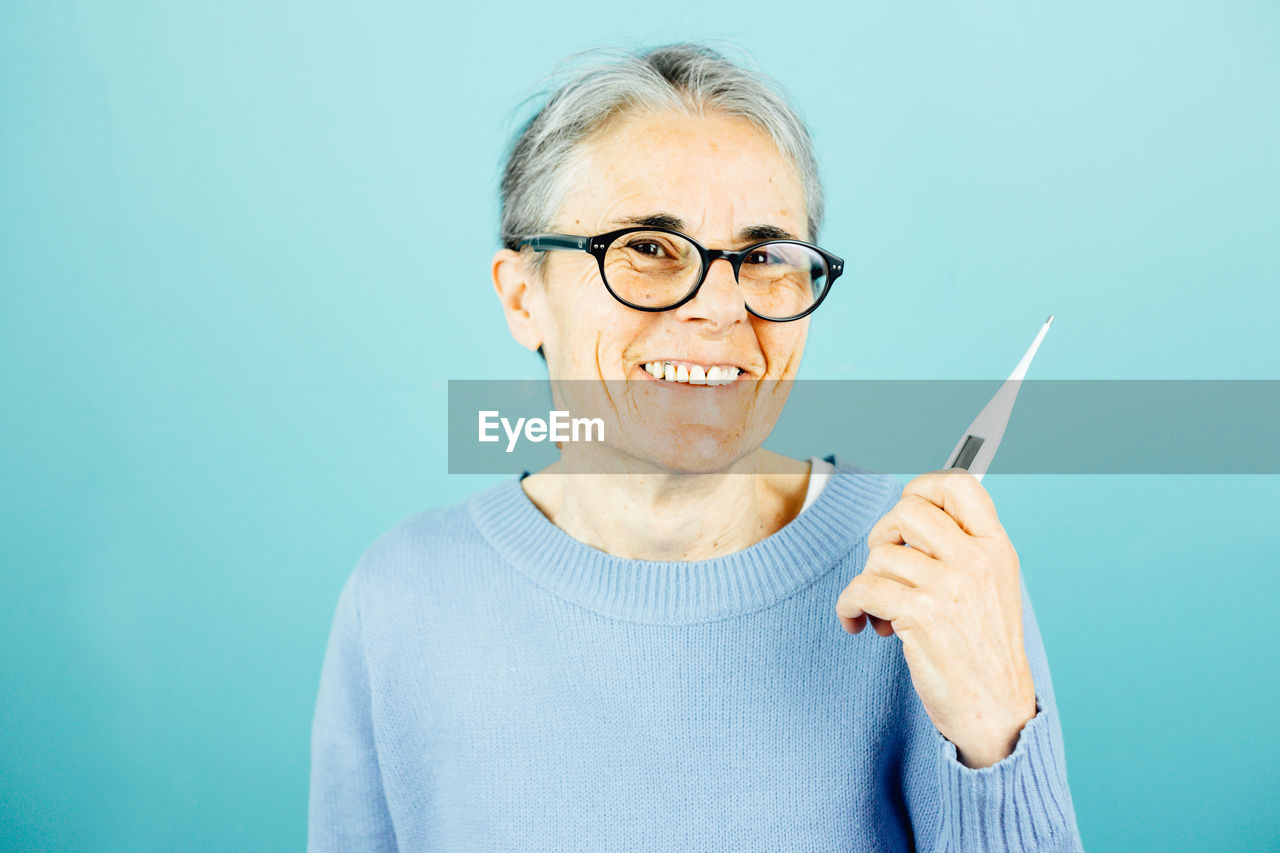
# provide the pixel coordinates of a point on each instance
(650, 644)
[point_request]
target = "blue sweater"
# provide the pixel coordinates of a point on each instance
(492, 683)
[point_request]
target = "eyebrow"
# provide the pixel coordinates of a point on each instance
(750, 234)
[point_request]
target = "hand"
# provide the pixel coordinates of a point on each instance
(955, 600)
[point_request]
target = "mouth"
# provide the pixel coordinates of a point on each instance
(676, 372)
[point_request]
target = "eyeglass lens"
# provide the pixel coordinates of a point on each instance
(655, 269)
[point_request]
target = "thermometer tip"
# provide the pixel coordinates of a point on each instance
(1050, 320)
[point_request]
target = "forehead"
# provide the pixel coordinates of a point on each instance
(714, 171)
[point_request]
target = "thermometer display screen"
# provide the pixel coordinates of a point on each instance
(967, 452)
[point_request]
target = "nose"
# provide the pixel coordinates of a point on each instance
(719, 300)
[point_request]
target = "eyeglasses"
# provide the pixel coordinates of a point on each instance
(657, 269)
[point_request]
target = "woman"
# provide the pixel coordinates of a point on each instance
(635, 648)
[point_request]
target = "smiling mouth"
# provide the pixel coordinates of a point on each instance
(692, 373)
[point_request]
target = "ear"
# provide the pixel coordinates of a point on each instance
(520, 296)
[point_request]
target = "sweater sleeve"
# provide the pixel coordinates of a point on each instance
(347, 809)
(1020, 803)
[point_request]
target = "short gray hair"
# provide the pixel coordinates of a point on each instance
(584, 96)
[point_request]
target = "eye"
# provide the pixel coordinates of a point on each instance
(646, 247)
(759, 256)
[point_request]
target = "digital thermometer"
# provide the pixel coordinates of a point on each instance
(976, 449)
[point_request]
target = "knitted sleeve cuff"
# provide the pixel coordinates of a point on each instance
(1021, 802)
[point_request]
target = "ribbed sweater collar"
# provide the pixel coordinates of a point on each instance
(682, 592)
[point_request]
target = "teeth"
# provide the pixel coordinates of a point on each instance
(695, 375)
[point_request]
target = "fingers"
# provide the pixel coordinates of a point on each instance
(961, 496)
(881, 627)
(921, 524)
(907, 566)
(873, 595)
(941, 515)
(853, 626)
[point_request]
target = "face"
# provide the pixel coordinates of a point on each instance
(720, 180)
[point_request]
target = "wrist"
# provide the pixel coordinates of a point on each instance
(990, 746)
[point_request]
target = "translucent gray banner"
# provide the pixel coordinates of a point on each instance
(895, 426)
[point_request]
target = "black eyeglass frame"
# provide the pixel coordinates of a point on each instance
(599, 244)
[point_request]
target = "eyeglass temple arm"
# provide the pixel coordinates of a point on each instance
(555, 241)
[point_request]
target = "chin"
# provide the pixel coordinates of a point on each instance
(698, 451)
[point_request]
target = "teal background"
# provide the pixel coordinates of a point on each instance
(244, 245)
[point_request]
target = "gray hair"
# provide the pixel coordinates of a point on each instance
(686, 77)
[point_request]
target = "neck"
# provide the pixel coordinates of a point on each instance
(666, 516)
